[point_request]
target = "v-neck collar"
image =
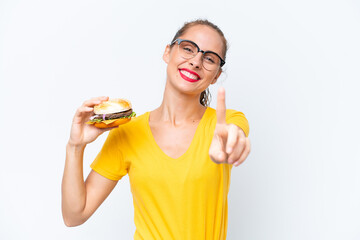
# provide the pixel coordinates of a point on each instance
(157, 148)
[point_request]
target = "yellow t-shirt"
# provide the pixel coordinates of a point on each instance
(183, 198)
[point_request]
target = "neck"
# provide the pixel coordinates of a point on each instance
(178, 108)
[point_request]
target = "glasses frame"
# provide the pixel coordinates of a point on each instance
(178, 40)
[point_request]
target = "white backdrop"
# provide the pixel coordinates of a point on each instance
(292, 68)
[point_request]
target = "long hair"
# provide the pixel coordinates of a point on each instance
(205, 97)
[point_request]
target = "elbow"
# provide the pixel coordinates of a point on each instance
(71, 223)
(73, 218)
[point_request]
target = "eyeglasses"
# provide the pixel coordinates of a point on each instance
(188, 49)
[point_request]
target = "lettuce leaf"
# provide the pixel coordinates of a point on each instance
(133, 114)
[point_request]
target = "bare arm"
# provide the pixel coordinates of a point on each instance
(80, 199)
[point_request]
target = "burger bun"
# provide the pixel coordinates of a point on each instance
(113, 106)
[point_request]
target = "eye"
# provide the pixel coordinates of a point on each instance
(188, 49)
(209, 59)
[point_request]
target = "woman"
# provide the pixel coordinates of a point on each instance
(178, 192)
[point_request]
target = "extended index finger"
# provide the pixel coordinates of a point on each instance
(220, 106)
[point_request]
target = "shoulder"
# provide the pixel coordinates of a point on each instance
(239, 119)
(231, 113)
(232, 117)
(211, 113)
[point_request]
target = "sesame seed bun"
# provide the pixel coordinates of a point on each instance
(112, 106)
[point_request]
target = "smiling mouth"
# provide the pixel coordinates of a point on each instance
(189, 76)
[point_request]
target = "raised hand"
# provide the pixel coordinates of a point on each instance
(230, 144)
(82, 133)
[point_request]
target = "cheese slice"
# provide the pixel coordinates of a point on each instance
(107, 122)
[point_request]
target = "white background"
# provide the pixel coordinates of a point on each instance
(293, 68)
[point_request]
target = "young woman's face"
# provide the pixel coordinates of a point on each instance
(189, 75)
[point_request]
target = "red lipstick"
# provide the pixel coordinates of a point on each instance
(187, 78)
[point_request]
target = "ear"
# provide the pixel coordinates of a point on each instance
(166, 55)
(217, 76)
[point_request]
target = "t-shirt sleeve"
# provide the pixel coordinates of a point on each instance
(110, 162)
(239, 119)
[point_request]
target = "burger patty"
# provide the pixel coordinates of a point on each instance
(113, 115)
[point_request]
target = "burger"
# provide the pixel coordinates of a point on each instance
(112, 113)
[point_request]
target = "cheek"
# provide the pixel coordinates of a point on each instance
(212, 76)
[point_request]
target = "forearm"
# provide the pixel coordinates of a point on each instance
(73, 186)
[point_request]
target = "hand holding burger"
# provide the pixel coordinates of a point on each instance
(81, 133)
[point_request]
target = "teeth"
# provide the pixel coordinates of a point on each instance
(189, 75)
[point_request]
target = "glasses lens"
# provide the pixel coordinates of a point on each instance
(211, 61)
(187, 49)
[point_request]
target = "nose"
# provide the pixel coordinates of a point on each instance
(196, 61)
